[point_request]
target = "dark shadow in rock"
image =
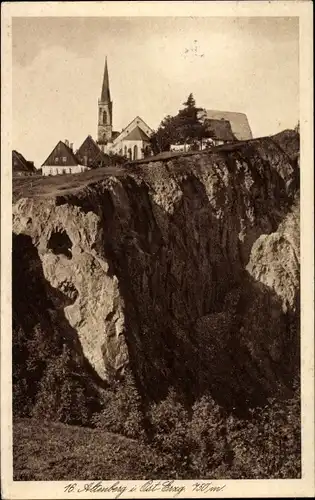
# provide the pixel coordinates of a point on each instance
(60, 243)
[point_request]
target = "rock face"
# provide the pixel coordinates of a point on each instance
(186, 270)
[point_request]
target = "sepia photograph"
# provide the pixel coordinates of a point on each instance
(155, 291)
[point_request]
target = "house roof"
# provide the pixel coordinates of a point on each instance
(137, 120)
(101, 157)
(221, 128)
(136, 135)
(59, 151)
(90, 151)
(88, 147)
(20, 164)
(239, 122)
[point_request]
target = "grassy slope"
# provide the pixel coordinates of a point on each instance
(46, 451)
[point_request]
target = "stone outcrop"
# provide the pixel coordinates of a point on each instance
(186, 270)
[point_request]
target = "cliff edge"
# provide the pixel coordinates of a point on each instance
(185, 270)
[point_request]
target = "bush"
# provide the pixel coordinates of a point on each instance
(170, 424)
(213, 444)
(267, 446)
(122, 411)
(208, 437)
(61, 396)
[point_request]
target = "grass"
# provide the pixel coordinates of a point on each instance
(47, 451)
(60, 184)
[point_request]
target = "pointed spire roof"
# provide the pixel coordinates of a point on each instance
(105, 96)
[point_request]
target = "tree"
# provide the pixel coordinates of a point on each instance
(116, 159)
(122, 412)
(166, 134)
(170, 424)
(184, 128)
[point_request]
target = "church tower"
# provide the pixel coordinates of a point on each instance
(105, 113)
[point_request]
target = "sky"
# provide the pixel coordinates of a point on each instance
(248, 65)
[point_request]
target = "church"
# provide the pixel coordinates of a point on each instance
(133, 141)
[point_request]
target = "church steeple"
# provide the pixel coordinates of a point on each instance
(105, 112)
(105, 95)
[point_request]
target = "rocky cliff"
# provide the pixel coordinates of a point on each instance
(186, 270)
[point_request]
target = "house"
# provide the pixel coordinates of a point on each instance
(221, 130)
(90, 155)
(62, 160)
(221, 134)
(133, 141)
(20, 166)
(239, 122)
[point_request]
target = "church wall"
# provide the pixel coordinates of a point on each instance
(126, 145)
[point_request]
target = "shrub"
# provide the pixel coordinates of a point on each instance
(267, 446)
(170, 424)
(122, 409)
(208, 436)
(213, 444)
(61, 394)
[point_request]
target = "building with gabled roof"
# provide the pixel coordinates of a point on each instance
(239, 122)
(133, 141)
(62, 160)
(21, 166)
(221, 130)
(90, 154)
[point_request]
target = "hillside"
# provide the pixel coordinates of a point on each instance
(180, 274)
(53, 451)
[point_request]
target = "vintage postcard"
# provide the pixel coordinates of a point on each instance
(157, 298)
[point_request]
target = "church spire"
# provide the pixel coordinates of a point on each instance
(105, 112)
(105, 96)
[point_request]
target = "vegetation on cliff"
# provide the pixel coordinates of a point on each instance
(183, 128)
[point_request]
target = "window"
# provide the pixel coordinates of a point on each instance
(64, 159)
(56, 159)
(135, 152)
